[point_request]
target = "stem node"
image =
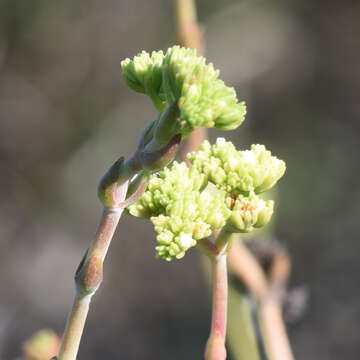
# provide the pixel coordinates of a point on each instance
(89, 276)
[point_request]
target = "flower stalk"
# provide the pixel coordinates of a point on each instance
(115, 194)
(88, 278)
(224, 240)
(215, 347)
(217, 252)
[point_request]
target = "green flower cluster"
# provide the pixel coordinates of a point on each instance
(249, 212)
(181, 76)
(220, 189)
(143, 74)
(238, 172)
(181, 210)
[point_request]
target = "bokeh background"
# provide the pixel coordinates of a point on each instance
(66, 115)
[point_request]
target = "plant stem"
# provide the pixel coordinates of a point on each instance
(88, 278)
(74, 327)
(224, 240)
(215, 347)
(189, 33)
(243, 264)
(273, 325)
(193, 142)
(208, 248)
(268, 293)
(271, 310)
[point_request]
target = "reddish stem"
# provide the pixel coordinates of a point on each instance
(189, 33)
(215, 348)
(88, 278)
(105, 231)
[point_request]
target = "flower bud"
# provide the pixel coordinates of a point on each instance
(186, 205)
(181, 210)
(143, 74)
(203, 99)
(238, 172)
(249, 213)
(183, 77)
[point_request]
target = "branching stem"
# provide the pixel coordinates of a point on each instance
(268, 293)
(224, 240)
(208, 248)
(88, 278)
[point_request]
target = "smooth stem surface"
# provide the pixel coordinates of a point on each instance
(106, 229)
(74, 327)
(270, 310)
(189, 33)
(224, 240)
(193, 142)
(208, 248)
(215, 348)
(268, 293)
(276, 338)
(88, 278)
(244, 264)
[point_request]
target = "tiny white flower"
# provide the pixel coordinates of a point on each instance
(249, 156)
(186, 241)
(261, 205)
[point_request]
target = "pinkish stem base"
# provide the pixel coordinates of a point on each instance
(215, 347)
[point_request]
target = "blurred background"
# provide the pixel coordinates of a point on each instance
(66, 115)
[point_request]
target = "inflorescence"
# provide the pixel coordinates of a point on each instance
(220, 189)
(181, 76)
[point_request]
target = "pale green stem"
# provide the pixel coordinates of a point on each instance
(224, 240)
(74, 327)
(88, 278)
